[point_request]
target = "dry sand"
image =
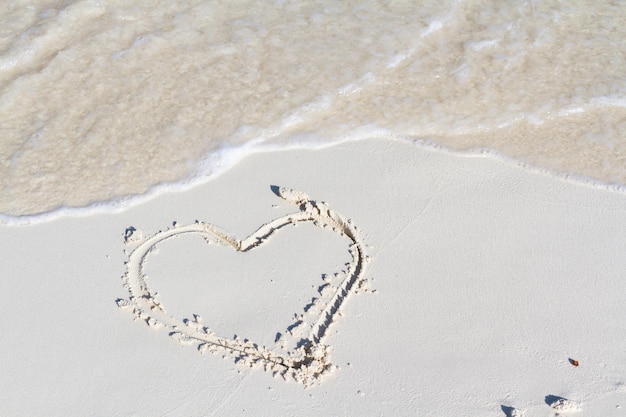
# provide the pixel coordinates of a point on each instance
(486, 282)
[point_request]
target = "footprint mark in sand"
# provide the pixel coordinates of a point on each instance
(511, 411)
(307, 361)
(562, 405)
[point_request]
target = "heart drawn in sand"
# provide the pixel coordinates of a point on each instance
(306, 360)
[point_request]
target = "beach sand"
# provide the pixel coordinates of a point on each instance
(481, 283)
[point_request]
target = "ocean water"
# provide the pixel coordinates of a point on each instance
(103, 101)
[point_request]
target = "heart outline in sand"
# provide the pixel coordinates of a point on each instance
(307, 362)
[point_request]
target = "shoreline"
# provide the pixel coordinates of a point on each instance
(239, 155)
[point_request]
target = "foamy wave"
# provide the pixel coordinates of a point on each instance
(212, 165)
(142, 103)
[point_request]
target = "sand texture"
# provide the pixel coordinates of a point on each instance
(398, 280)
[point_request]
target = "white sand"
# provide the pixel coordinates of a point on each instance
(485, 281)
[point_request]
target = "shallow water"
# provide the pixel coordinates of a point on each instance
(103, 101)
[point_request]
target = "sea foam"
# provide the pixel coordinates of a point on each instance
(104, 106)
